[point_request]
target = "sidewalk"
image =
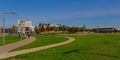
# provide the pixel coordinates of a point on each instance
(6, 48)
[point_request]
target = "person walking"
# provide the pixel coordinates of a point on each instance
(32, 34)
(28, 34)
(19, 35)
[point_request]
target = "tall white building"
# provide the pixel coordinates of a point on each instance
(25, 26)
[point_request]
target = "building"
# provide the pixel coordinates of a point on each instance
(103, 30)
(25, 26)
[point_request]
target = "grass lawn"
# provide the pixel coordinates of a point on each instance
(10, 39)
(86, 47)
(45, 39)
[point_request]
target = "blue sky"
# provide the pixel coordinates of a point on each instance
(102, 13)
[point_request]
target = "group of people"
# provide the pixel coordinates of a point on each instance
(29, 34)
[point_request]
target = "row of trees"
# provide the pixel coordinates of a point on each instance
(12, 30)
(49, 28)
(69, 29)
(58, 28)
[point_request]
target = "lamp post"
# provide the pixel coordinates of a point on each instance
(4, 24)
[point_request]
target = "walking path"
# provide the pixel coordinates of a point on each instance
(11, 54)
(6, 48)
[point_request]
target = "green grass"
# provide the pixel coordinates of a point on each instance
(10, 39)
(86, 47)
(42, 40)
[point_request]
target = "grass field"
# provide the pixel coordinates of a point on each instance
(86, 47)
(42, 40)
(10, 39)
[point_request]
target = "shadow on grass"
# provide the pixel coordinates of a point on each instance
(78, 51)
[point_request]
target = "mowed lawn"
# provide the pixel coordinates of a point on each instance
(10, 39)
(86, 47)
(41, 40)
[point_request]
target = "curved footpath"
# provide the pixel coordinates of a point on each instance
(15, 53)
(8, 47)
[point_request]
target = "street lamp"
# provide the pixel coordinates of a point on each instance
(4, 24)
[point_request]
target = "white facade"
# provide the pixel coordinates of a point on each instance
(25, 26)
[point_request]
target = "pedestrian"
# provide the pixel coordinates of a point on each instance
(19, 35)
(32, 34)
(28, 34)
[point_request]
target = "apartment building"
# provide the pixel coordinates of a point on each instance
(25, 26)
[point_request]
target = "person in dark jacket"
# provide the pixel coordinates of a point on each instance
(19, 35)
(28, 34)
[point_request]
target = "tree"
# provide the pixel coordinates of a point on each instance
(74, 29)
(36, 29)
(14, 29)
(63, 28)
(48, 27)
(60, 27)
(52, 28)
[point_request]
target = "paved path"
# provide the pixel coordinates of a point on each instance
(11, 54)
(6, 48)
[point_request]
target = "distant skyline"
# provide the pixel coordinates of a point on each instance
(92, 13)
